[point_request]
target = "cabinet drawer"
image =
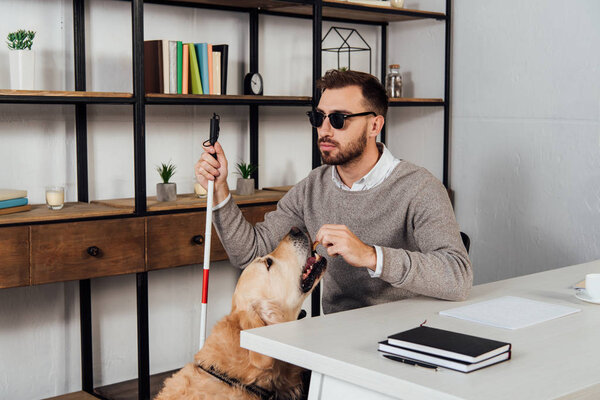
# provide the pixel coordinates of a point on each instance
(171, 241)
(14, 256)
(256, 214)
(89, 249)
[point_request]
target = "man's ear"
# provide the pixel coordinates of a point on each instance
(269, 312)
(376, 125)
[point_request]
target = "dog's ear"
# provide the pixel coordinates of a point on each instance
(269, 311)
(249, 319)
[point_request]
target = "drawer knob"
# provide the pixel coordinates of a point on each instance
(198, 239)
(93, 251)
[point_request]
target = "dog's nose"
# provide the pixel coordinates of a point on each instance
(296, 232)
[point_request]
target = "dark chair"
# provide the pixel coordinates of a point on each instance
(466, 241)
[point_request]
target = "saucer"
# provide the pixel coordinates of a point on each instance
(583, 295)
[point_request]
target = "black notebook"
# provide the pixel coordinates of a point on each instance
(390, 352)
(453, 345)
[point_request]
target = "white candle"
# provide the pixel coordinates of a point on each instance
(55, 198)
(199, 190)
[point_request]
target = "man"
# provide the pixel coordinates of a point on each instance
(387, 226)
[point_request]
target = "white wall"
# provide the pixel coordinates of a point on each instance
(526, 133)
(524, 156)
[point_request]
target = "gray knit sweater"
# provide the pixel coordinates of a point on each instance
(409, 215)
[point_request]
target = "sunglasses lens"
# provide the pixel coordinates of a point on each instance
(336, 120)
(316, 118)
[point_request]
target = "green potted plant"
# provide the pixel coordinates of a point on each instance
(166, 191)
(21, 59)
(245, 184)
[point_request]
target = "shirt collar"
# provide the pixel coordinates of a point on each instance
(384, 166)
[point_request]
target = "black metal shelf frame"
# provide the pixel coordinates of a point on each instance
(139, 102)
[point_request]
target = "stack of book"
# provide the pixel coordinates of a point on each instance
(12, 201)
(433, 347)
(174, 67)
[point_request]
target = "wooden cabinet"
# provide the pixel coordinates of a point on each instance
(257, 213)
(88, 249)
(176, 240)
(14, 256)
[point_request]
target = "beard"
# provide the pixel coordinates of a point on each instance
(351, 152)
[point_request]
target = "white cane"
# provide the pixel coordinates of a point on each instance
(214, 135)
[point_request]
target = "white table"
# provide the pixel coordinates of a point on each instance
(558, 359)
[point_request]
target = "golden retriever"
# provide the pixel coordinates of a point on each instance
(270, 290)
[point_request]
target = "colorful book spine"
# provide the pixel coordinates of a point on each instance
(217, 71)
(185, 70)
(7, 194)
(195, 71)
(165, 65)
(13, 203)
(201, 53)
(12, 210)
(209, 57)
(153, 74)
(224, 50)
(179, 67)
(172, 67)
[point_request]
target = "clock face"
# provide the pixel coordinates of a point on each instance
(253, 83)
(256, 83)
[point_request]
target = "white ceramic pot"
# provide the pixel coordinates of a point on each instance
(244, 187)
(22, 69)
(166, 191)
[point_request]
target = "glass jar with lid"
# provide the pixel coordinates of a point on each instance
(393, 81)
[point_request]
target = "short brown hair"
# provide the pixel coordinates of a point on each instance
(372, 90)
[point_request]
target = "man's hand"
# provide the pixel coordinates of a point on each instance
(210, 169)
(339, 240)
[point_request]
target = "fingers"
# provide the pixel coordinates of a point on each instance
(209, 167)
(334, 238)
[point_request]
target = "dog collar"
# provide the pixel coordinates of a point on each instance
(256, 390)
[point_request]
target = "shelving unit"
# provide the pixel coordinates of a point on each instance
(143, 207)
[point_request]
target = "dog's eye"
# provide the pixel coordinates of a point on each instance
(268, 262)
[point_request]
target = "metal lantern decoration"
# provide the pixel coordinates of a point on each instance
(347, 39)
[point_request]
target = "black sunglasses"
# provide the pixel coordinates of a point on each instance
(336, 119)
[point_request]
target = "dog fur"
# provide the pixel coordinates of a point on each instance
(268, 292)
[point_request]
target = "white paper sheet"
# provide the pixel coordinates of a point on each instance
(510, 312)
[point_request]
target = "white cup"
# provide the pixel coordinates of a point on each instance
(592, 285)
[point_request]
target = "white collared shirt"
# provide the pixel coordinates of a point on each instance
(384, 167)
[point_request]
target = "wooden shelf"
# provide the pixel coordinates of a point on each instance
(74, 396)
(63, 97)
(412, 102)
(191, 201)
(158, 98)
(360, 12)
(41, 213)
(334, 9)
(279, 188)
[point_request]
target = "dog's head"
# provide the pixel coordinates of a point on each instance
(276, 285)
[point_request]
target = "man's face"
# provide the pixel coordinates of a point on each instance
(342, 146)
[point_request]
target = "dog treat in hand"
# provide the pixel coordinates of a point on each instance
(314, 248)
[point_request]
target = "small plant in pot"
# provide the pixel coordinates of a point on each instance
(245, 184)
(21, 59)
(166, 191)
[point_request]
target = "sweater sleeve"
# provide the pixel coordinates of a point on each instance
(441, 267)
(244, 242)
